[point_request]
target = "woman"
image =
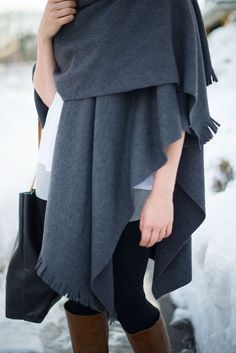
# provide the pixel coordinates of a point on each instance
(127, 177)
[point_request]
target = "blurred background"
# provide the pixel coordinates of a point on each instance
(201, 315)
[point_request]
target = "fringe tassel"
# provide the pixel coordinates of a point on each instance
(211, 77)
(64, 289)
(206, 134)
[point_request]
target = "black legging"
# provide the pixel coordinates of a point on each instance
(134, 311)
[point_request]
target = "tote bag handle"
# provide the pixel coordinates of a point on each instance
(39, 138)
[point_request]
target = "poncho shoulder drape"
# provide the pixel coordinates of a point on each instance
(131, 74)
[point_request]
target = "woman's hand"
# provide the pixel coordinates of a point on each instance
(56, 14)
(156, 218)
(157, 215)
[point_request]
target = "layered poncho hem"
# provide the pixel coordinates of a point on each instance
(165, 107)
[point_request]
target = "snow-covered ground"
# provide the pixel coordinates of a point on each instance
(209, 301)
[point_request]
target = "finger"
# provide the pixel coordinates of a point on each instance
(65, 4)
(145, 235)
(168, 229)
(162, 233)
(58, 1)
(65, 12)
(166, 232)
(64, 20)
(154, 238)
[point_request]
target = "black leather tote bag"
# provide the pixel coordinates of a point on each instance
(28, 297)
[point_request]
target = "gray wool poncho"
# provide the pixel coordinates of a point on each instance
(129, 72)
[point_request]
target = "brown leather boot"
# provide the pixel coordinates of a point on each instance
(88, 333)
(154, 339)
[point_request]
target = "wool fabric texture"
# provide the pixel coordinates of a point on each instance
(128, 72)
(45, 155)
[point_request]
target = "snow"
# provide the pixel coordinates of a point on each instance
(13, 5)
(209, 300)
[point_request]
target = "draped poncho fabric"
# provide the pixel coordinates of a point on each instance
(131, 74)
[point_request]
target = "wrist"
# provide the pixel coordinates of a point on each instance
(163, 190)
(43, 38)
